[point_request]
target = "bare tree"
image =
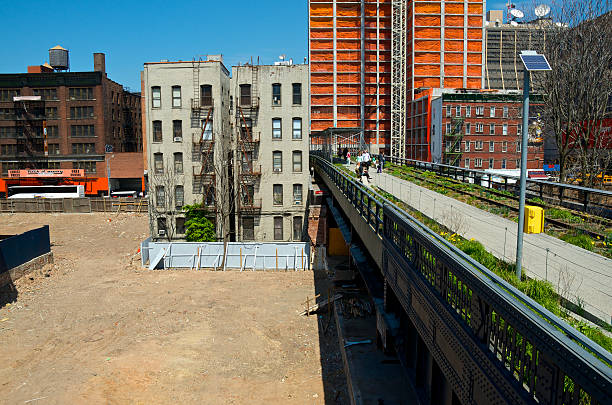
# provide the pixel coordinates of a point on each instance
(578, 45)
(162, 201)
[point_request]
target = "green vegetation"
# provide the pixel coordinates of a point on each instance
(563, 215)
(540, 291)
(198, 227)
(579, 239)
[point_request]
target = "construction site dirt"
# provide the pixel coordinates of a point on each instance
(95, 327)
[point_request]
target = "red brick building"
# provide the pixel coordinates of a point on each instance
(478, 129)
(84, 114)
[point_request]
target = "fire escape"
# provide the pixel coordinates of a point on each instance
(453, 142)
(30, 126)
(247, 145)
(203, 141)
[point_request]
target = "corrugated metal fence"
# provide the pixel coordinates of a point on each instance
(74, 205)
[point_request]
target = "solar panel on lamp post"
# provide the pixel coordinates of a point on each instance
(532, 62)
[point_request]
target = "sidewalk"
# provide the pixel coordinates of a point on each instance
(578, 274)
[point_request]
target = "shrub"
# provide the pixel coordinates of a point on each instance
(198, 227)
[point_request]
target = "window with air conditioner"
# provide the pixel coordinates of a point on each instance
(277, 161)
(297, 194)
(276, 94)
(161, 226)
(177, 130)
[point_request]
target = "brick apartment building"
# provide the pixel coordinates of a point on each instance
(85, 115)
(472, 128)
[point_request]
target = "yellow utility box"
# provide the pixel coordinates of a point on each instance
(534, 219)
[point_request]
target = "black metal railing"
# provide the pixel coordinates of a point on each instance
(495, 344)
(590, 200)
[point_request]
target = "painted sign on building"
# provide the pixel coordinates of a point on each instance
(47, 173)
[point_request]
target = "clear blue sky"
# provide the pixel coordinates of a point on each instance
(132, 32)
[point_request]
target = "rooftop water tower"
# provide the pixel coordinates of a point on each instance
(58, 58)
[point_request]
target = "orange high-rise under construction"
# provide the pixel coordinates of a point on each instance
(369, 58)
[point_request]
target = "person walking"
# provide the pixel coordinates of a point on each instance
(366, 160)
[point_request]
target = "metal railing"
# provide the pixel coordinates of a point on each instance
(590, 200)
(494, 344)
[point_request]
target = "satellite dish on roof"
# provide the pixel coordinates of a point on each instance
(516, 13)
(514, 23)
(542, 10)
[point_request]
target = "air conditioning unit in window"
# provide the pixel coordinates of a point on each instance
(297, 202)
(161, 232)
(277, 170)
(178, 139)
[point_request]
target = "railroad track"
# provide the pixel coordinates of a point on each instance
(553, 221)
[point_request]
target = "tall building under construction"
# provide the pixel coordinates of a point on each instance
(369, 58)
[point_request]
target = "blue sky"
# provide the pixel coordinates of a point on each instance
(133, 32)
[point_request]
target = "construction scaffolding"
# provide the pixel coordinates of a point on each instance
(398, 79)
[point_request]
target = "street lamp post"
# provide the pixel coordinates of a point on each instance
(532, 62)
(108, 173)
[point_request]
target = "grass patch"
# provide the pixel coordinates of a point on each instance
(579, 239)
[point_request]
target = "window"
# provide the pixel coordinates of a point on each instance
(156, 97)
(277, 194)
(248, 194)
(477, 145)
(276, 128)
(160, 196)
(276, 94)
(81, 112)
(54, 149)
(518, 164)
(176, 96)
(51, 113)
(297, 161)
(468, 111)
(178, 163)
(505, 129)
(297, 228)
(478, 162)
(206, 99)
(467, 146)
(492, 129)
(180, 225)
(53, 165)
(177, 130)
(448, 128)
(89, 167)
(297, 194)
(503, 164)
(492, 112)
(297, 93)
(505, 112)
(518, 146)
(519, 129)
(161, 226)
(505, 146)
(479, 110)
(448, 110)
(491, 163)
(82, 131)
(52, 132)
(479, 128)
(278, 228)
(158, 163)
(179, 196)
(208, 131)
(297, 128)
(491, 146)
(157, 131)
(8, 94)
(468, 128)
(46, 94)
(467, 163)
(80, 93)
(458, 111)
(248, 228)
(6, 150)
(277, 161)
(245, 94)
(83, 148)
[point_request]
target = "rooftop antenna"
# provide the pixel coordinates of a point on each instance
(542, 10)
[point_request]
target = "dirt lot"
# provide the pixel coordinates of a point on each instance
(94, 327)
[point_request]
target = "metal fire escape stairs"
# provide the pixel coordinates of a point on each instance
(32, 148)
(453, 151)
